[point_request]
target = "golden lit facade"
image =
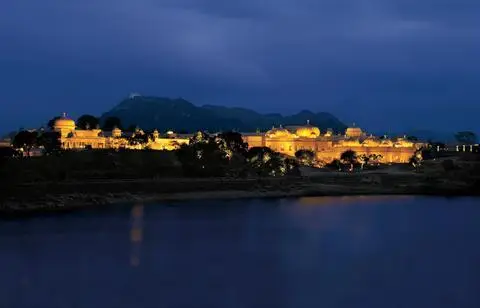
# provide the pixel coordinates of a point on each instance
(329, 146)
(73, 138)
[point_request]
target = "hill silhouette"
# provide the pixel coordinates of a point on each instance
(178, 114)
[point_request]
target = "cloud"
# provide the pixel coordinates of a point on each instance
(330, 50)
(235, 39)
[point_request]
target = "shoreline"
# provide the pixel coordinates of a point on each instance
(30, 205)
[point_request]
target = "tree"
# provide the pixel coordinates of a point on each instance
(51, 122)
(375, 159)
(111, 122)
(50, 142)
(335, 165)
(139, 138)
(364, 159)
(466, 137)
(87, 121)
(412, 138)
(200, 137)
(132, 128)
(426, 153)
(305, 157)
(263, 161)
(234, 142)
(369, 159)
(349, 157)
(7, 152)
(25, 141)
(417, 159)
(202, 157)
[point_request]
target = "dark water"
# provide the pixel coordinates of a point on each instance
(312, 252)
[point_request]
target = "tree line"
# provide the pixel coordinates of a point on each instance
(226, 154)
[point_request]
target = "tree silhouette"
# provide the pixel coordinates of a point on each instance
(202, 157)
(368, 159)
(305, 157)
(364, 159)
(349, 157)
(200, 137)
(111, 122)
(263, 161)
(139, 138)
(50, 142)
(51, 122)
(25, 140)
(132, 128)
(234, 142)
(417, 159)
(87, 121)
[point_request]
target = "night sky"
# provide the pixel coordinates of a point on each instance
(387, 65)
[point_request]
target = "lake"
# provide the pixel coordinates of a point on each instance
(308, 252)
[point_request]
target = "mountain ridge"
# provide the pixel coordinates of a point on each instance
(178, 114)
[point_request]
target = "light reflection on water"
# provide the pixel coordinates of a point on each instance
(307, 252)
(136, 233)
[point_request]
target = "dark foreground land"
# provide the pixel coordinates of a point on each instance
(47, 185)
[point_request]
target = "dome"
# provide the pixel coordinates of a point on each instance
(278, 133)
(64, 123)
(308, 131)
(354, 131)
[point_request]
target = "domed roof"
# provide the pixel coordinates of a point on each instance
(354, 131)
(64, 123)
(308, 131)
(278, 133)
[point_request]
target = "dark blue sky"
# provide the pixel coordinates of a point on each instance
(385, 64)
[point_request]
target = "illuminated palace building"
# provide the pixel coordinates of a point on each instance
(287, 140)
(73, 138)
(330, 146)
